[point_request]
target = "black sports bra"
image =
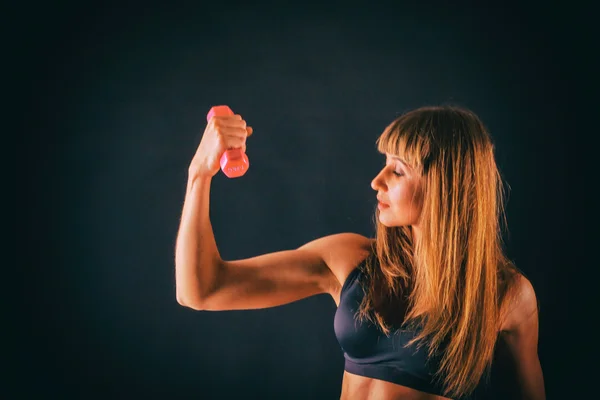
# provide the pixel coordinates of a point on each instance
(369, 352)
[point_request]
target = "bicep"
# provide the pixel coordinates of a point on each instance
(268, 280)
(282, 277)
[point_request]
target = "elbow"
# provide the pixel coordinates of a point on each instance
(193, 291)
(192, 302)
(188, 292)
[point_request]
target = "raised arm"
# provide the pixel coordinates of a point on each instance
(207, 282)
(197, 258)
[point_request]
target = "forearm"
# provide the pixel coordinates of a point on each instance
(197, 257)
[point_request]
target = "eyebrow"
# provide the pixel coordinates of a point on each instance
(397, 159)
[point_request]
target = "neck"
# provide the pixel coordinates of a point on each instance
(416, 233)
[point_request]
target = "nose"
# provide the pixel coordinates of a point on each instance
(378, 183)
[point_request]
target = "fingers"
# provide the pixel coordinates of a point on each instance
(231, 125)
(228, 120)
(226, 117)
(234, 142)
(233, 132)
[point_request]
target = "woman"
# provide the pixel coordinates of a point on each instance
(422, 306)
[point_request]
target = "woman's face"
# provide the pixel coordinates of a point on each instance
(399, 192)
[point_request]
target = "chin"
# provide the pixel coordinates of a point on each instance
(386, 223)
(391, 224)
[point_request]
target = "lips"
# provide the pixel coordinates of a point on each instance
(382, 203)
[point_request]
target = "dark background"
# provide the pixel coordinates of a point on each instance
(113, 100)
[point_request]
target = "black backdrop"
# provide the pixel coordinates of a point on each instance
(117, 101)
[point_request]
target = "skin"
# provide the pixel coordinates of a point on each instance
(207, 282)
(400, 194)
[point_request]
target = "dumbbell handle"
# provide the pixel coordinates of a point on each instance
(234, 162)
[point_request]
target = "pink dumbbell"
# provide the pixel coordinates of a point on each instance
(234, 162)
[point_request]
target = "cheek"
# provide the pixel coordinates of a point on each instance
(403, 196)
(407, 201)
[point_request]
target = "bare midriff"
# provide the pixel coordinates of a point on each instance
(356, 387)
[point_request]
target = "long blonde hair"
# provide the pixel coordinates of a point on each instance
(453, 279)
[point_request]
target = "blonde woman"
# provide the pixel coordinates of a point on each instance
(423, 305)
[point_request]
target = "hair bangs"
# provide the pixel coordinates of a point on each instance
(404, 139)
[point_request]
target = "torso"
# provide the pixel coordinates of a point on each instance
(356, 387)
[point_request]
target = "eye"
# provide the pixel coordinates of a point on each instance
(398, 171)
(388, 164)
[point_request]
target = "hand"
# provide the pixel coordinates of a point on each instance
(221, 133)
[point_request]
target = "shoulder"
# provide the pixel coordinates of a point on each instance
(339, 243)
(520, 304)
(520, 335)
(341, 252)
